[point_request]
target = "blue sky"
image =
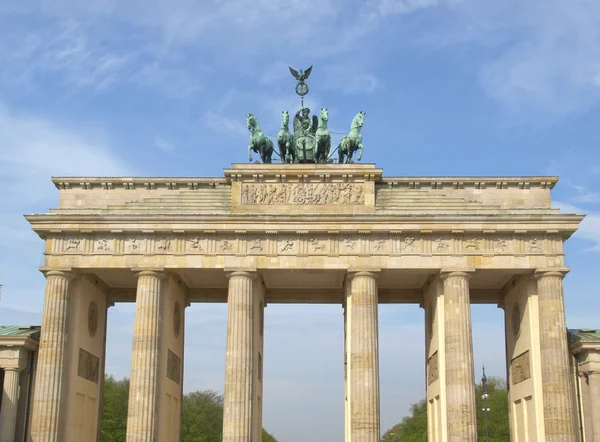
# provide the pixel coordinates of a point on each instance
(457, 87)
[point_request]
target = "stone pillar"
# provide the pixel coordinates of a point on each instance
(10, 402)
(460, 379)
(557, 386)
(47, 402)
(238, 409)
(363, 358)
(594, 386)
(145, 361)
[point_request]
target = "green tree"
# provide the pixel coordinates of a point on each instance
(201, 414)
(114, 411)
(413, 428)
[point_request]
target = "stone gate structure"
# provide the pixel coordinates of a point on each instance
(298, 233)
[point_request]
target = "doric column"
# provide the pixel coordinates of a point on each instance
(460, 380)
(145, 361)
(10, 402)
(239, 368)
(363, 355)
(594, 386)
(557, 387)
(47, 403)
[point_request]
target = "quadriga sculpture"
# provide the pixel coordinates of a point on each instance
(353, 141)
(259, 143)
(322, 138)
(285, 140)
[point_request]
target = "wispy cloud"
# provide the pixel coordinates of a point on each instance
(164, 145)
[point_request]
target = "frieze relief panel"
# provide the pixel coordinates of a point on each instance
(520, 369)
(432, 369)
(88, 366)
(304, 243)
(303, 194)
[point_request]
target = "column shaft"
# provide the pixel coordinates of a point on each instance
(364, 358)
(145, 360)
(239, 365)
(594, 386)
(10, 402)
(557, 387)
(47, 403)
(460, 381)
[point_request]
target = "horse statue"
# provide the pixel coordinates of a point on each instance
(353, 141)
(259, 143)
(322, 138)
(285, 140)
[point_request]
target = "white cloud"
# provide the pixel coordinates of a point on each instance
(589, 228)
(164, 145)
(225, 125)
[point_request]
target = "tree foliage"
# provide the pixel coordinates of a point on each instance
(413, 428)
(201, 414)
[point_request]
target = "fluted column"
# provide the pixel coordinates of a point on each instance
(239, 367)
(364, 358)
(47, 403)
(557, 387)
(460, 379)
(145, 359)
(10, 402)
(594, 386)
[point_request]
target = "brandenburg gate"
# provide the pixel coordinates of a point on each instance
(302, 233)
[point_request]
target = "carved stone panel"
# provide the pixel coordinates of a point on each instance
(432, 369)
(174, 367)
(520, 368)
(302, 194)
(88, 366)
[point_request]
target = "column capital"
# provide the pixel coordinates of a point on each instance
(560, 272)
(60, 273)
(241, 273)
(17, 369)
(157, 273)
(456, 273)
(366, 273)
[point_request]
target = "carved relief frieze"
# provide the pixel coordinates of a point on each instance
(409, 245)
(441, 245)
(472, 245)
(163, 244)
(196, 244)
(174, 367)
(502, 245)
(535, 245)
(520, 368)
(302, 194)
(88, 366)
(318, 245)
(432, 369)
(256, 246)
(103, 245)
(73, 244)
(135, 245)
(380, 246)
(350, 245)
(287, 246)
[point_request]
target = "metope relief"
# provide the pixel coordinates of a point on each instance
(317, 245)
(73, 245)
(103, 245)
(440, 245)
(432, 369)
(287, 246)
(163, 244)
(133, 244)
(256, 246)
(88, 366)
(173, 367)
(409, 245)
(303, 194)
(535, 246)
(196, 244)
(520, 368)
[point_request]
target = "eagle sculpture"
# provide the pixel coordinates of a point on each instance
(303, 75)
